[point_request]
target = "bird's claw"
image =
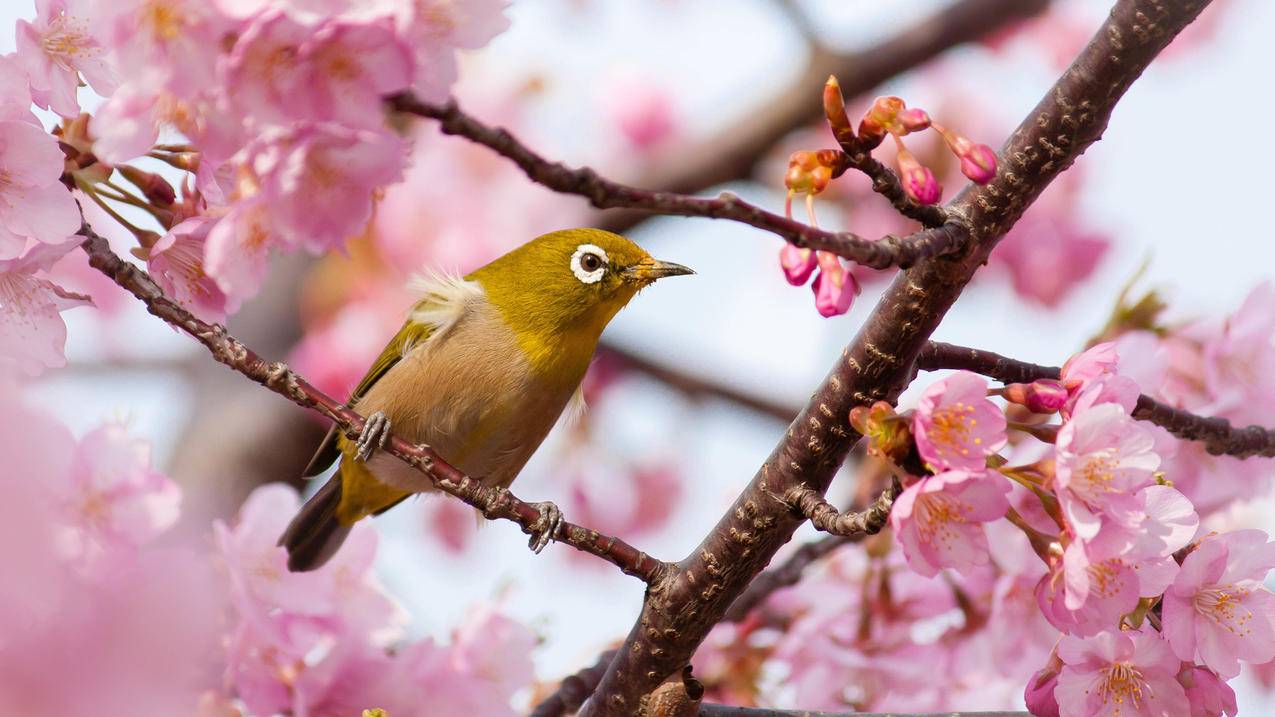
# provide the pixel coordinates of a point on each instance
(376, 431)
(546, 527)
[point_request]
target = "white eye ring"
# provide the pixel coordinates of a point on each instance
(588, 276)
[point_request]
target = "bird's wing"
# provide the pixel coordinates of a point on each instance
(444, 299)
(411, 335)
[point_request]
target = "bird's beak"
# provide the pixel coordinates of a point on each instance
(649, 270)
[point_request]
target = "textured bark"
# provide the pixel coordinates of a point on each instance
(681, 608)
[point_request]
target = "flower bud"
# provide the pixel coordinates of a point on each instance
(913, 120)
(1041, 396)
(978, 161)
(880, 119)
(798, 264)
(834, 108)
(918, 180)
(834, 287)
(808, 173)
(888, 433)
(154, 187)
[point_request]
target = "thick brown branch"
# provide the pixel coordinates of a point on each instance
(493, 502)
(825, 517)
(1217, 434)
(681, 609)
(604, 193)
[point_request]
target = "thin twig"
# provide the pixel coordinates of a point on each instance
(1217, 434)
(825, 517)
(493, 502)
(604, 193)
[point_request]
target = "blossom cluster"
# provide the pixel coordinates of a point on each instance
(1093, 548)
(273, 109)
(108, 555)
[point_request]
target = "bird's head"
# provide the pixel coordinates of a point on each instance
(569, 284)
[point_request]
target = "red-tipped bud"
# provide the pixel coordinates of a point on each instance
(808, 173)
(834, 287)
(834, 108)
(978, 161)
(888, 433)
(1041, 396)
(154, 187)
(913, 120)
(798, 264)
(918, 180)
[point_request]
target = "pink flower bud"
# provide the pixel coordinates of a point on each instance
(918, 180)
(1041, 396)
(978, 161)
(798, 264)
(834, 287)
(913, 120)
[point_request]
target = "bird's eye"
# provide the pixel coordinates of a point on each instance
(589, 263)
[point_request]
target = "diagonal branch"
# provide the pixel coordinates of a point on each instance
(680, 609)
(1217, 434)
(604, 193)
(493, 502)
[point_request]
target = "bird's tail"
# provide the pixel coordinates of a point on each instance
(314, 534)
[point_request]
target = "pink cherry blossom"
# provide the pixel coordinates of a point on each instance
(956, 426)
(32, 333)
(938, 520)
(435, 28)
(125, 127)
(1039, 694)
(1239, 361)
(15, 93)
(284, 69)
(1091, 378)
(1125, 674)
(237, 251)
(318, 179)
(33, 203)
(798, 264)
(644, 115)
(1208, 694)
(834, 287)
(112, 497)
(168, 45)
(1103, 458)
(60, 47)
(177, 263)
(1217, 607)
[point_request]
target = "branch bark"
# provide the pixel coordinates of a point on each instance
(495, 503)
(1217, 434)
(728, 711)
(681, 608)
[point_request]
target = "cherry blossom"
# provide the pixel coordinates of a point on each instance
(1208, 694)
(176, 261)
(834, 287)
(938, 520)
(1124, 674)
(32, 333)
(33, 203)
(1104, 457)
(60, 47)
(1217, 607)
(956, 426)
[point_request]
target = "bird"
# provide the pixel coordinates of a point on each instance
(481, 370)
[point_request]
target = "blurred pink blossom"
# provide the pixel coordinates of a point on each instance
(164, 45)
(1218, 607)
(938, 520)
(1125, 674)
(176, 262)
(33, 203)
(32, 333)
(60, 47)
(1209, 695)
(956, 426)
(644, 114)
(435, 29)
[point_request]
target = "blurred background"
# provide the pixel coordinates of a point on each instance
(698, 377)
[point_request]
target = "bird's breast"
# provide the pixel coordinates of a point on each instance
(473, 395)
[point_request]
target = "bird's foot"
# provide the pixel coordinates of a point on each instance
(546, 527)
(376, 431)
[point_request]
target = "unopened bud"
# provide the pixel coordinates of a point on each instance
(808, 172)
(798, 264)
(834, 287)
(834, 108)
(154, 187)
(889, 435)
(913, 120)
(978, 161)
(879, 119)
(1041, 396)
(918, 181)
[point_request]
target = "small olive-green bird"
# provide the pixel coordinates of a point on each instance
(480, 371)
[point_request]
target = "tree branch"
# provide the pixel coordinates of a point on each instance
(1217, 434)
(574, 689)
(493, 502)
(604, 193)
(785, 575)
(681, 608)
(728, 711)
(825, 517)
(886, 183)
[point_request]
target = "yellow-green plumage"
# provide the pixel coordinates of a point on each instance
(480, 371)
